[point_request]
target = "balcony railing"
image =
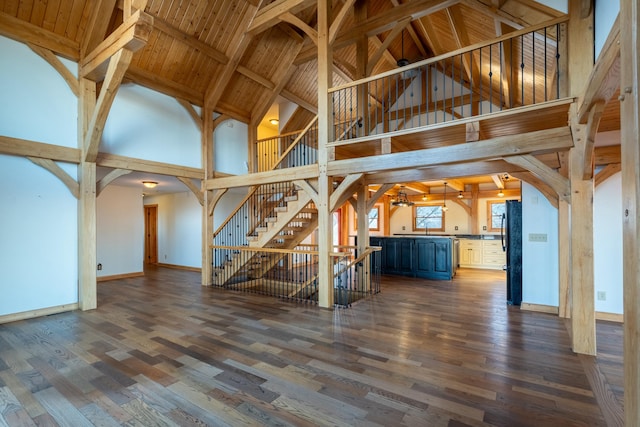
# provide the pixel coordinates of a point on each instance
(288, 150)
(293, 274)
(522, 68)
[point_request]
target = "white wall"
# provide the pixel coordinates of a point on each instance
(607, 244)
(39, 238)
(231, 147)
(179, 228)
(606, 13)
(120, 231)
(539, 259)
(38, 214)
(148, 125)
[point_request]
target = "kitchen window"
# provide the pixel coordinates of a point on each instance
(428, 218)
(495, 209)
(374, 219)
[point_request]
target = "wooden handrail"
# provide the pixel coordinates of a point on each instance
(457, 52)
(270, 250)
(293, 144)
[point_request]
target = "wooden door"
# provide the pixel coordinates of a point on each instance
(151, 234)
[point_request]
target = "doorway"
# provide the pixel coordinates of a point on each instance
(151, 234)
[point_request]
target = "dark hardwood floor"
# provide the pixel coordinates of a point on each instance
(161, 351)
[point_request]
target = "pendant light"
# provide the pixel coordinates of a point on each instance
(444, 200)
(402, 62)
(402, 200)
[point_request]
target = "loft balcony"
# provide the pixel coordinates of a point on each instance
(494, 91)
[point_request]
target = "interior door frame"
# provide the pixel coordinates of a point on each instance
(150, 234)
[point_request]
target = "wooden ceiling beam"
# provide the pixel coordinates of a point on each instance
(25, 32)
(97, 25)
(448, 172)
(271, 14)
(64, 72)
(255, 77)
(132, 35)
(380, 23)
(339, 19)
(294, 20)
(287, 94)
(139, 165)
(380, 50)
(604, 80)
(606, 155)
(282, 75)
(118, 64)
(413, 34)
(540, 185)
(190, 41)
(239, 43)
(550, 177)
(533, 142)
(27, 148)
(268, 177)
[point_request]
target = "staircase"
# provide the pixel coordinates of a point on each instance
(276, 216)
(292, 219)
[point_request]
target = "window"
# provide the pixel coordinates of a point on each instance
(428, 218)
(494, 215)
(374, 219)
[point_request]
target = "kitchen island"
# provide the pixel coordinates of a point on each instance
(427, 257)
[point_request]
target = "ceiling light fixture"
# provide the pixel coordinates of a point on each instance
(274, 121)
(149, 184)
(500, 193)
(444, 199)
(460, 195)
(424, 198)
(402, 200)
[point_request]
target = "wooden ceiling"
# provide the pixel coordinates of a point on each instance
(236, 57)
(229, 55)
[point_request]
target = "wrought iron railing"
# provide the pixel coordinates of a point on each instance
(522, 68)
(292, 274)
(288, 150)
(256, 209)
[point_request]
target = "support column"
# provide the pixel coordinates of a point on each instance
(583, 326)
(583, 318)
(630, 126)
(325, 235)
(87, 249)
(207, 217)
(363, 218)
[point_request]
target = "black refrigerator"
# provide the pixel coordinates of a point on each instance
(511, 234)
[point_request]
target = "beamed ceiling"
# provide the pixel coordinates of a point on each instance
(236, 57)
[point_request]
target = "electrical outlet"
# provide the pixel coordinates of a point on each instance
(537, 237)
(484, 228)
(99, 266)
(404, 228)
(602, 296)
(165, 257)
(456, 228)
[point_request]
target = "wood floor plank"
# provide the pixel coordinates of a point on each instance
(163, 350)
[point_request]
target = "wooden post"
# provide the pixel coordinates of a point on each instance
(583, 324)
(630, 127)
(325, 244)
(363, 218)
(583, 319)
(87, 250)
(564, 259)
(207, 219)
(475, 194)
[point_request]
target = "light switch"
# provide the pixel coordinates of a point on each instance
(537, 237)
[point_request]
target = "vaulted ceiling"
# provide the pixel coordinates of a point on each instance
(237, 56)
